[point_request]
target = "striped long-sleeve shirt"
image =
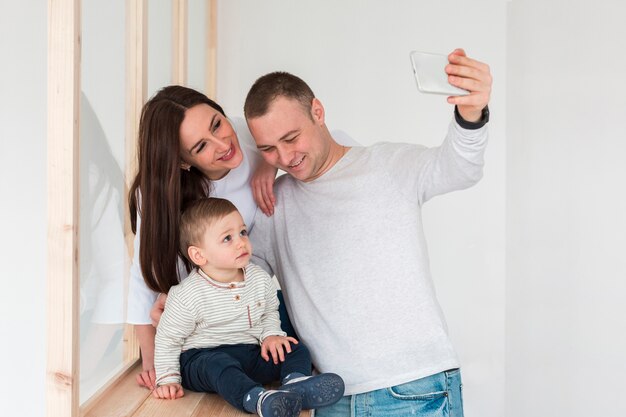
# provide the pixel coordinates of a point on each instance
(203, 313)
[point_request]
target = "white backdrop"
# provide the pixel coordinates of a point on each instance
(566, 200)
(23, 46)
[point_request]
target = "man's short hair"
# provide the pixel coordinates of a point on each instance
(198, 216)
(273, 85)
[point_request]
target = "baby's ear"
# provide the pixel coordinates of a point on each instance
(196, 256)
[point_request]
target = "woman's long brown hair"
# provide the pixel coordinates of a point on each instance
(161, 189)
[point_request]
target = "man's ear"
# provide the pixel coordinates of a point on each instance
(196, 256)
(317, 111)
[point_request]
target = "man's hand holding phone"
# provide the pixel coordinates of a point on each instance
(465, 81)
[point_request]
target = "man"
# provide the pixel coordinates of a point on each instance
(347, 245)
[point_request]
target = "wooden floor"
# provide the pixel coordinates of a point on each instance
(129, 400)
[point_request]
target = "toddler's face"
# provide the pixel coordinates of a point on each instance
(226, 245)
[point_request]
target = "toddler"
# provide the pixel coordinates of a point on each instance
(220, 331)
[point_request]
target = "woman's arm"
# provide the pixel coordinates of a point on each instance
(262, 185)
(145, 334)
(140, 301)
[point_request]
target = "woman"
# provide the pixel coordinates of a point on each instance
(188, 149)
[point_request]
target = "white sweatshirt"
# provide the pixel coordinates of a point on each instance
(349, 252)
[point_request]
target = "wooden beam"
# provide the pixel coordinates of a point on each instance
(62, 373)
(211, 51)
(136, 91)
(179, 41)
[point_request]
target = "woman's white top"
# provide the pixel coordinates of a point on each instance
(235, 186)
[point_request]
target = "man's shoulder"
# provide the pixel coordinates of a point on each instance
(284, 185)
(391, 153)
(284, 182)
(383, 147)
(380, 155)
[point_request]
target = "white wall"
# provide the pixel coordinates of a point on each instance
(561, 69)
(566, 230)
(355, 56)
(23, 207)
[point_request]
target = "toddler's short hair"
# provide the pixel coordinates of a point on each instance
(197, 217)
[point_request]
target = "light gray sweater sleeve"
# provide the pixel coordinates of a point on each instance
(262, 249)
(454, 165)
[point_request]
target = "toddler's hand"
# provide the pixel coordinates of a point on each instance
(274, 346)
(168, 392)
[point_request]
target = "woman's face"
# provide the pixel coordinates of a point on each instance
(208, 142)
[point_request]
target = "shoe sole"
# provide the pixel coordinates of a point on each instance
(318, 391)
(287, 404)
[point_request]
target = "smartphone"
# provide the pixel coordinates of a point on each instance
(430, 74)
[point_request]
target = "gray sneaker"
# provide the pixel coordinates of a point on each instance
(318, 390)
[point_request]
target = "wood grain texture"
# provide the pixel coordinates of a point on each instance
(128, 399)
(179, 41)
(211, 52)
(136, 92)
(121, 399)
(62, 194)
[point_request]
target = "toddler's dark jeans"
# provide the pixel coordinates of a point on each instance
(233, 370)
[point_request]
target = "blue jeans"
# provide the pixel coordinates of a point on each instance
(233, 370)
(437, 395)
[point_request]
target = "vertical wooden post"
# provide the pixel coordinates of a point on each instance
(62, 373)
(136, 91)
(179, 41)
(211, 52)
